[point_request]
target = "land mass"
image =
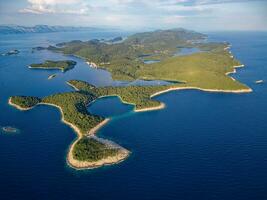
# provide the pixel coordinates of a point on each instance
(16, 29)
(11, 52)
(126, 60)
(9, 129)
(207, 70)
(63, 65)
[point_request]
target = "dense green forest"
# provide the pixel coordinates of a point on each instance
(90, 149)
(63, 65)
(136, 95)
(206, 69)
(25, 101)
(74, 108)
(124, 59)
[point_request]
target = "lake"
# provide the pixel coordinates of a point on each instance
(201, 146)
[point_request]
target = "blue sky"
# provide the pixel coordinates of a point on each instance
(139, 14)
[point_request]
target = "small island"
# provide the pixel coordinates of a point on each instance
(9, 129)
(12, 52)
(38, 48)
(63, 65)
(259, 81)
(51, 76)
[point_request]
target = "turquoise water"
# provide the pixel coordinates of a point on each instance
(202, 146)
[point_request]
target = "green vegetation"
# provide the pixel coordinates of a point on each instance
(63, 65)
(205, 70)
(74, 109)
(125, 60)
(136, 95)
(90, 149)
(25, 101)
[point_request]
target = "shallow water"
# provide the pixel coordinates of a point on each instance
(201, 146)
(187, 51)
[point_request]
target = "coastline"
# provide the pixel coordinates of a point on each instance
(48, 68)
(202, 89)
(79, 165)
(161, 106)
(68, 83)
(123, 153)
(17, 106)
(76, 164)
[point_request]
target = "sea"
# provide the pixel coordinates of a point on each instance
(202, 146)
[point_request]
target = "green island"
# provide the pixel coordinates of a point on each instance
(207, 70)
(51, 76)
(63, 65)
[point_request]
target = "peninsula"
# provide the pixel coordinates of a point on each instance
(207, 70)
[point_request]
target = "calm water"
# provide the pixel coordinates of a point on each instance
(202, 146)
(187, 51)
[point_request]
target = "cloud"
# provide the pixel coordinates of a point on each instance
(57, 6)
(83, 7)
(147, 14)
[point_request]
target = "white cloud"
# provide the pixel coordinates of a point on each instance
(146, 13)
(56, 6)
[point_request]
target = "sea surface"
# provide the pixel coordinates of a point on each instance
(209, 146)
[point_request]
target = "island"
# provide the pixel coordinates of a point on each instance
(51, 76)
(207, 70)
(11, 52)
(9, 129)
(63, 65)
(38, 48)
(259, 81)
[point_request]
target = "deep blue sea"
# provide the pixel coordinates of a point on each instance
(209, 146)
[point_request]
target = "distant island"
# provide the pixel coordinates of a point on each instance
(16, 29)
(259, 81)
(207, 70)
(11, 52)
(51, 76)
(63, 65)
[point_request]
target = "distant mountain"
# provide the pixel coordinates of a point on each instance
(11, 29)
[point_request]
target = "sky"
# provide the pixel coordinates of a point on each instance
(204, 15)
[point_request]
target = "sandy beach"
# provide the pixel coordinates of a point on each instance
(17, 106)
